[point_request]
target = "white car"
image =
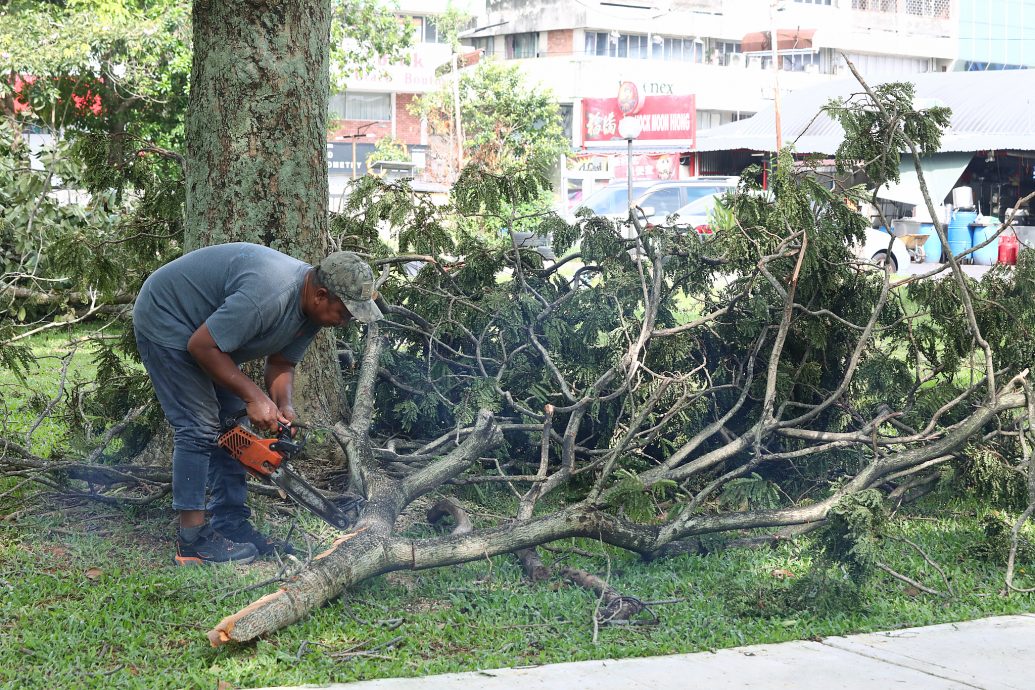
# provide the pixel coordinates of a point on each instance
(697, 215)
(875, 248)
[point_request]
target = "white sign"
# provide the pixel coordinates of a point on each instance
(416, 77)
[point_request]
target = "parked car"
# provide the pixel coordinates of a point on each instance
(697, 215)
(657, 199)
(875, 246)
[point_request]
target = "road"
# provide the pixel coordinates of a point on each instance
(975, 272)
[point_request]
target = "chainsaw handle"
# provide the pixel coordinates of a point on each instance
(286, 431)
(231, 420)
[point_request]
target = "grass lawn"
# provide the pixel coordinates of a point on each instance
(89, 597)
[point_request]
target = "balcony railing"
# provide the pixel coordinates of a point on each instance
(936, 9)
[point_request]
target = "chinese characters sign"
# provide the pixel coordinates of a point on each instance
(662, 166)
(661, 117)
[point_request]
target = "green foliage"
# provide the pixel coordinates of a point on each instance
(868, 139)
(998, 539)
(852, 535)
(753, 492)
(848, 547)
(510, 128)
(388, 149)
(132, 59)
(450, 23)
(641, 503)
(100, 235)
(983, 471)
(365, 35)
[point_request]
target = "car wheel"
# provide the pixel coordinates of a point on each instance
(881, 258)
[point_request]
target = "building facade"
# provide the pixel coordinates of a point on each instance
(707, 60)
(717, 55)
(377, 105)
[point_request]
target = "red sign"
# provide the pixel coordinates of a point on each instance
(661, 166)
(661, 117)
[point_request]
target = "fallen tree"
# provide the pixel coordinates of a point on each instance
(663, 379)
(652, 386)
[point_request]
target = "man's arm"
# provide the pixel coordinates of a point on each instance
(280, 381)
(217, 364)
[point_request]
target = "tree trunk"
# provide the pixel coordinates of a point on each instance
(256, 147)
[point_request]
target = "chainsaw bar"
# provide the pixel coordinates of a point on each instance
(303, 493)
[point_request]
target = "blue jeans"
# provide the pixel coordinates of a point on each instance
(194, 406)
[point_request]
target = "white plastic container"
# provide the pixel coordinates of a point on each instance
(963, 198)
(906, 226)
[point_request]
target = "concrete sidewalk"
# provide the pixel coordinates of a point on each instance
(987, 653)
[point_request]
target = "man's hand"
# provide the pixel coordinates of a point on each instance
(280, 378)
(264, 414)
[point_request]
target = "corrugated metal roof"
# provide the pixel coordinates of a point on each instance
(990, 110)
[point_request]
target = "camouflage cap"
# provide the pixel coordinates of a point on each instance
(350, 279)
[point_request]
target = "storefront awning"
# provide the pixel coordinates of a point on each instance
(786, 39)
(941, 173)
(639, 149)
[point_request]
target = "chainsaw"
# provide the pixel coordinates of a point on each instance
(267, 460)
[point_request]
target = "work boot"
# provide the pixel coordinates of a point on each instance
(245, 533)
(205, 546)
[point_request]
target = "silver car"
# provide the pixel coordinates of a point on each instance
(656, 198)
(877, 247)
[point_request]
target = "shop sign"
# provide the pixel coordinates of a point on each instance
(339, 158)
(659, 166)
(415, 75)
(661, 117)
(588, 163)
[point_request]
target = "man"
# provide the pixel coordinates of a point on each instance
(196, 320)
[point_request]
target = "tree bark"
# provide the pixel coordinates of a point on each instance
(256, 147)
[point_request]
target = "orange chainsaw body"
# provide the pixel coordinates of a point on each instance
(252, 451)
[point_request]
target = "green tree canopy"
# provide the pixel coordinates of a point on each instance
(509, 126)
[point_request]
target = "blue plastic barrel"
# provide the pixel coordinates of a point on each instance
(989, 254)
(933, 245)
(959, 231)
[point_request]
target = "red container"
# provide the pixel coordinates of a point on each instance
(1008, 247)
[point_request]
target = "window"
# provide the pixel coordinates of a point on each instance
(875, 5)
(928, 8)
(424, 29)
(523, 45)
(361, 106)
(988, 66)
(567, 111)
(597, 43)
(796, 61)
(721, 51)
(680, 49)
(815, 2)
(486, 44)
(804, 62)
(614, 44)
(614, 198)
(430, 31)
(664, 201)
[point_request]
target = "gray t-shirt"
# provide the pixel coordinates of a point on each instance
(250, 297)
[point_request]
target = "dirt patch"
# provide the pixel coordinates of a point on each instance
(423, 605)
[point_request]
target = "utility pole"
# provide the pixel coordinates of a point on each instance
(358, 134)
(456, 109)
(774, 7)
